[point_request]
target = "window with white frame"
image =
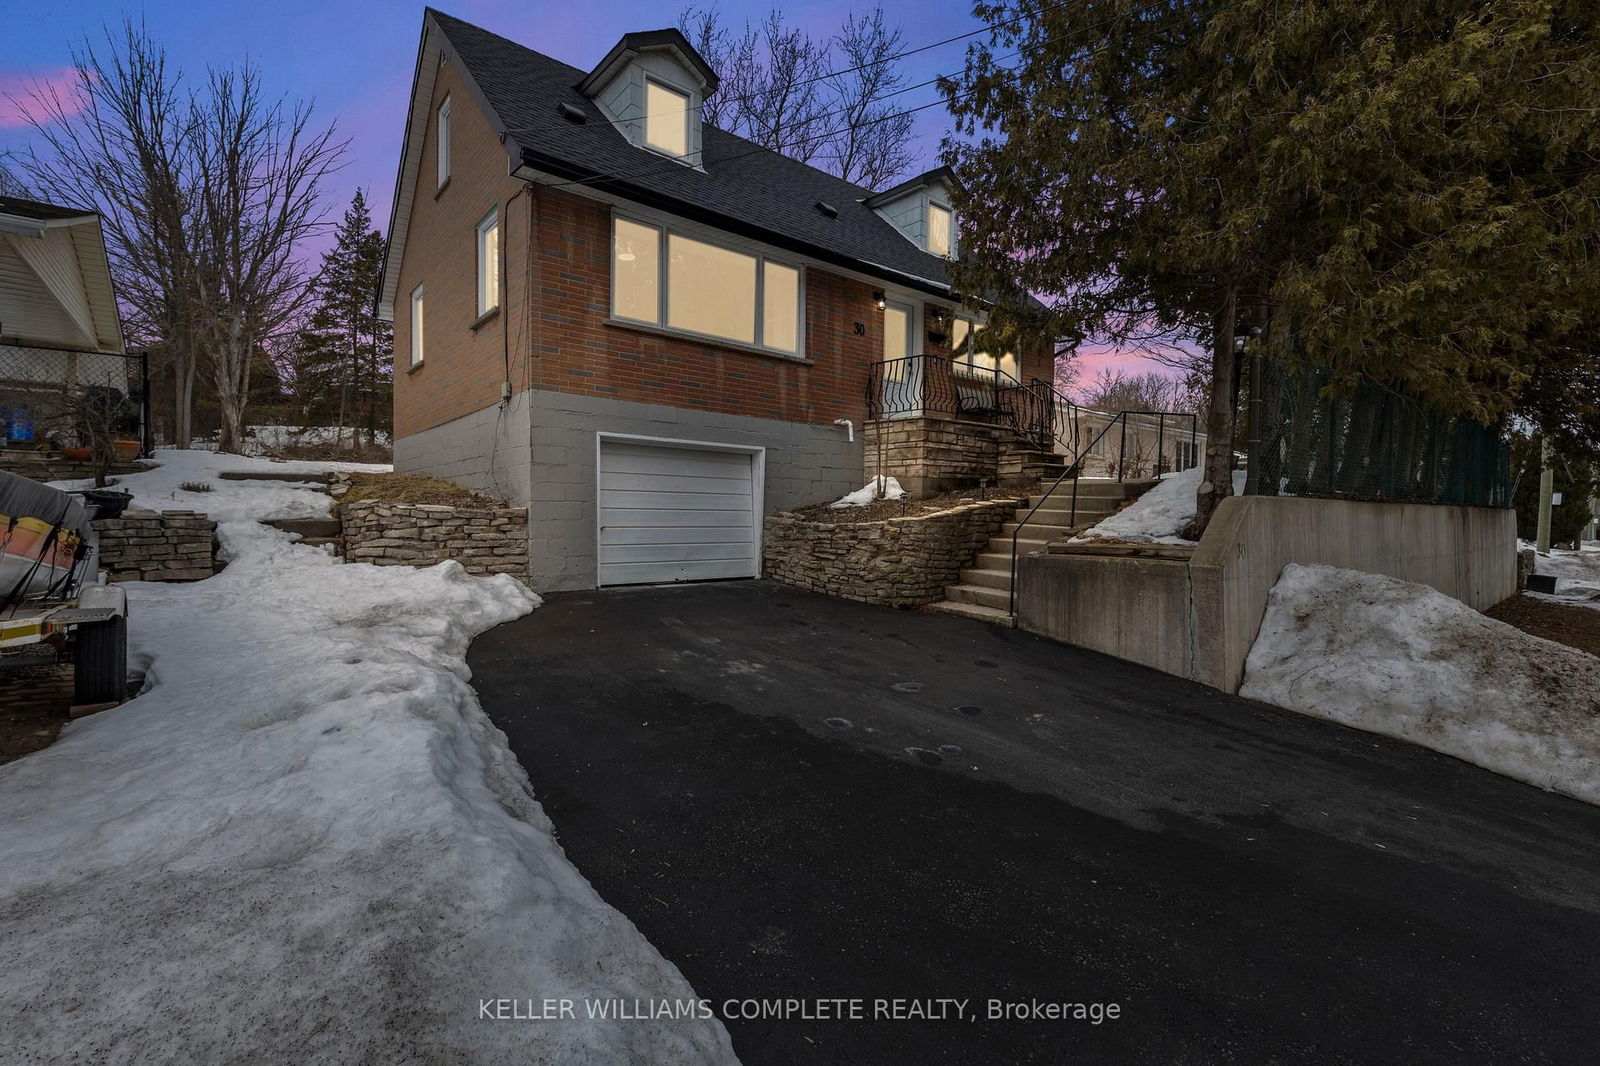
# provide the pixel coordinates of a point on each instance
(489, 263)
(416, 326)
(666, 118)
(442, 142)
(941, 224)
(971, 356)
(665, 278)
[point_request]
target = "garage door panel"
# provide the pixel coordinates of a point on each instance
(673, 513)
(652, 482)
(624, 535)
(670, 500)
(677, 461)
(613, 517)
(723, 551)
(654, 573)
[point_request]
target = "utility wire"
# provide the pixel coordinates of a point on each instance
(757, 149)
(986, 27)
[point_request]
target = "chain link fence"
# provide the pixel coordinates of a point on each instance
(49, 397)
(1372, 443)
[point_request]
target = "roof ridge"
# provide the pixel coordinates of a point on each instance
(863, 191)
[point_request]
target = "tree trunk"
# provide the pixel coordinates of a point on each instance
(1217, 483)
(183, 404)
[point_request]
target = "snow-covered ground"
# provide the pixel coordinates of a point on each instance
(304, 841)
(259, 439)
(1159, 515)
(1402, 659)
(1577, 575)
(879, 488)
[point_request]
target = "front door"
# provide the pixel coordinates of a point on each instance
(902, 373)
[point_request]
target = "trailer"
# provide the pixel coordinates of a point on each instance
(56, 605)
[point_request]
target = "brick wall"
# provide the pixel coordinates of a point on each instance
(145, 545)
(464, 367)
(552, 332)
(482, 540)
(899, 562)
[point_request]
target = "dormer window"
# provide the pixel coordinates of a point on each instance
(651, 86)
(666, 118)
(941, 221)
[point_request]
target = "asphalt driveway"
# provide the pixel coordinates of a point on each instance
(793, 796)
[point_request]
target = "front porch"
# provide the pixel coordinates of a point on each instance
(940, 426)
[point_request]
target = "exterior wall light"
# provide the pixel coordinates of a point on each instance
(879, 299)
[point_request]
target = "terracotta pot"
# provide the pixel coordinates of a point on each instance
(77, 455)
(127, 450)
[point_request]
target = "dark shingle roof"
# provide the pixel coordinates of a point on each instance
(13, 205)
(743, 189)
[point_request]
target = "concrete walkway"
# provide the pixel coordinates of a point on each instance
(798, 797)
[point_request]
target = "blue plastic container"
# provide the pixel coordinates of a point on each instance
(19, 427)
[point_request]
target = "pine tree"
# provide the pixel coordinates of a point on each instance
(343, 358)
(1404, 189)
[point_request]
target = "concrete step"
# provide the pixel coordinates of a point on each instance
(307, 527)
(1028, 542)
(993, 579)
(1036, 528)
(982, 595)
(993, 560)
(974, 610)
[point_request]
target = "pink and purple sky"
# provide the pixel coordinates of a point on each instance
(354, 59)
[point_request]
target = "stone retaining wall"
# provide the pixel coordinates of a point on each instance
(483, 540)
(158, 546)
(898, 562)
(38, 467)
(931, 455)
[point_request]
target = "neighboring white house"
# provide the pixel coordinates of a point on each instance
(1141, 445)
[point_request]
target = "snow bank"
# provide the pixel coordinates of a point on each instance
(886, 488)
(1577, 575)
(1159, 515)
(304, 841)
(1401, 659)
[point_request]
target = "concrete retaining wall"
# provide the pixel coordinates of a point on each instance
(897, 562)
(1199, 619)
(484, 541)
(158, 546)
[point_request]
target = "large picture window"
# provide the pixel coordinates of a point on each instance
(667, 279)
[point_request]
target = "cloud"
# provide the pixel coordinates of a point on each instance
(18, 90)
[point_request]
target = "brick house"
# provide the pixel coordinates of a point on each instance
(653, 333)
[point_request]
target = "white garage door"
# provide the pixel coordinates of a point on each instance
(671, 513)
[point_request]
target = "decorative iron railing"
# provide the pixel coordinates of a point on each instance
(935, 386)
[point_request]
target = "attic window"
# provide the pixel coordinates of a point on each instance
(666, 122)
(940, 223)
(827, 209)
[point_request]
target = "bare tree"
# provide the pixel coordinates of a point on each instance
(827, 102)
(1116, 390)
(265, 168)
(120, 140)
(11, 184)
(871, 136)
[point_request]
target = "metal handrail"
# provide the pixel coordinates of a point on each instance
(1075, 468)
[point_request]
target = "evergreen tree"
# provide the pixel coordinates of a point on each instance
(1405, 189)
(343, 357)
